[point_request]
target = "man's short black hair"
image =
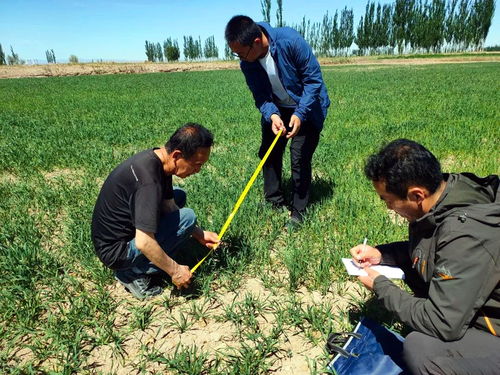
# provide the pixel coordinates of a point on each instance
(242, 29)
(403, 163)
(188, 138)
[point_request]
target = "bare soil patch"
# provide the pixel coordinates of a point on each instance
(213, 333)
(59, 70)
(8, 178)
(376, 60)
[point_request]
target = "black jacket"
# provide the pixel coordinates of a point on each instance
(455, 252)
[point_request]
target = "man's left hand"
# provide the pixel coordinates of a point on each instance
(369, 280)
(208, 239)
(294, 125)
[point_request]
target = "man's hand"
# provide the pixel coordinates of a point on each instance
(369, 280)
(364, 255)
(149, 247)
(295, 125)
(206, 238)
(277, 124)
(182, 276)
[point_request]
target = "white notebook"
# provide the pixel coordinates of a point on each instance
(388, 271)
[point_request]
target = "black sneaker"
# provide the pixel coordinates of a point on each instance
(141, 287)
(295, 221)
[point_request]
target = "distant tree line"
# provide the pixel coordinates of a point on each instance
(51, 56)
(405, 26)
(171, 50)
(211, 51)
(333, 36)
(2, 56)
(193, 49)
(265, 8)
(12, 59)
(494, 48)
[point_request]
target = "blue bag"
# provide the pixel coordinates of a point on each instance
(370, 350)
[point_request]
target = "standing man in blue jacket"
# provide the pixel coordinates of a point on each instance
(285, 79)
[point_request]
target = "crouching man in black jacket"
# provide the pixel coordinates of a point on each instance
(451, 261)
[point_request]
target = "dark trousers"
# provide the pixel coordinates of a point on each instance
(477, 353)
(302, 149)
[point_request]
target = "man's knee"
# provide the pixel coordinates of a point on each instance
(420, 352)
(413, 352)
(187, 220)
(179, 197)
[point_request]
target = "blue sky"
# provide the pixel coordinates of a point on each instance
(117, 29)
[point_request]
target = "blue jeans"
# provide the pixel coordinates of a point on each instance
(173, 230)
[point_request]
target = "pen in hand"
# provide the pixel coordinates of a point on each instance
(358, 261)
(365, 256)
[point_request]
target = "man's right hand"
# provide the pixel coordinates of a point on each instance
(365, 256)
(277, 124)
(182, 276)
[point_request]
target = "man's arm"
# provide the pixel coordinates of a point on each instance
(147, 245)
(310, 73)
(395, 254)
(206, 238)
(462, 281)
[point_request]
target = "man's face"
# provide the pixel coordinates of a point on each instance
(247, 53)
(187, 167)
(407, 208)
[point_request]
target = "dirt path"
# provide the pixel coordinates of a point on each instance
(58, 70)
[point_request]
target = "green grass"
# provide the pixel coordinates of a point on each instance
(62, 136)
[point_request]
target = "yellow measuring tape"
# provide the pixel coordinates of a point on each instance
(240, 200)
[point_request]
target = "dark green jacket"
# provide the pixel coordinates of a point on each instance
(454, 252)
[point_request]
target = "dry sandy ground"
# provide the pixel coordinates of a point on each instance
(215, 333)
(51, 70)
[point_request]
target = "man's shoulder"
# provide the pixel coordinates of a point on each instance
(141, 157)
(145, 155)
(477, 221)
(286, 36)
(146, 158)
(139, 167)
(288, 32)
(280, 34)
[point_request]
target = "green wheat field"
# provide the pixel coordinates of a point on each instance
(265, 302)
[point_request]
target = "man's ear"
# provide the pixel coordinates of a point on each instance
(176, 154)
(417, 194)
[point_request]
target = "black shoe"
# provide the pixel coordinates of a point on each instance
(141, 287)
(295, 221)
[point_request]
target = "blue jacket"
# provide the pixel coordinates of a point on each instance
(299, 72)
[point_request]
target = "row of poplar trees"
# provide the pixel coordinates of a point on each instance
(193, 50)
(12, 59)
(404, 26)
